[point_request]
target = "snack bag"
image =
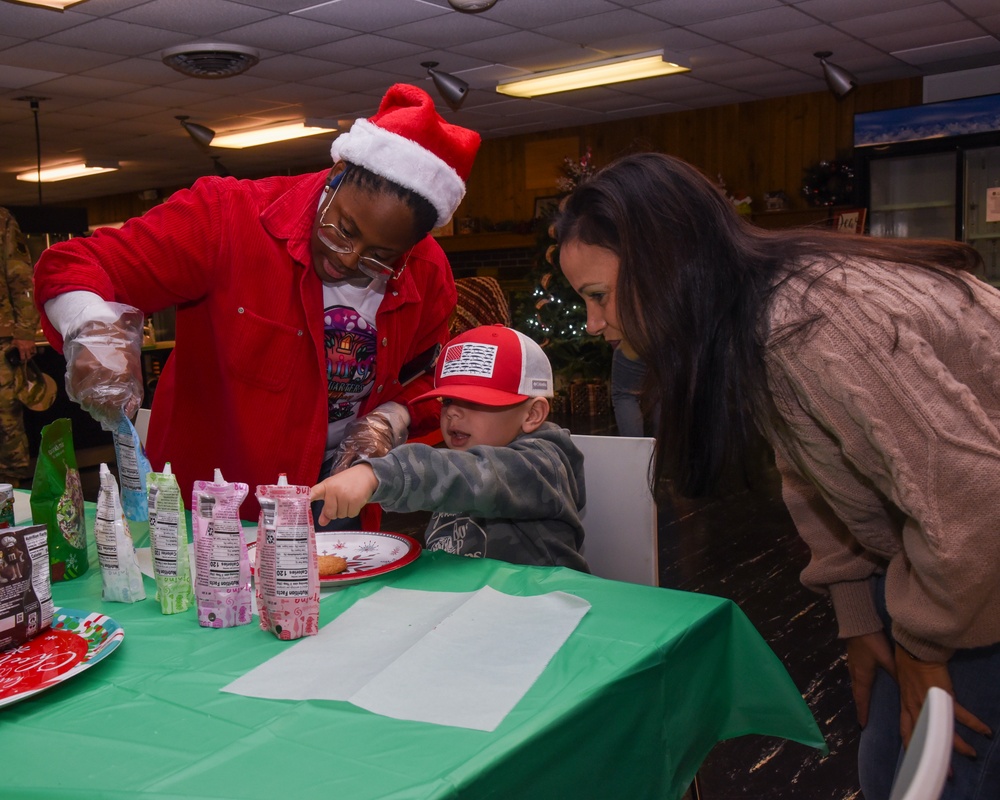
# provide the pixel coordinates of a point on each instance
(286, 573)
(222, 564)
(119, 569)
(168, 541)
(25, 591)
(57, 501)
(133, 467)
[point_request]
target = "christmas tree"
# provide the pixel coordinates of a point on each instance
(552, 313)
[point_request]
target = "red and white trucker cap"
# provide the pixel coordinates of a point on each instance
(491, 365)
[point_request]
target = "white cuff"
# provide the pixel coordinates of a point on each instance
(68, 311)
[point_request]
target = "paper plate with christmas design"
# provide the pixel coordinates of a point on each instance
(367, 554)
(76, 641)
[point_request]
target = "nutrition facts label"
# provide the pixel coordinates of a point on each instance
(104, 532)
(284, 568)
(163, 526)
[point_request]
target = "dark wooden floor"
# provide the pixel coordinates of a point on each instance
(743, 546)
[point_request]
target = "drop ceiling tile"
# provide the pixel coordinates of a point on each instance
(113, 36)
(370, 16)
(946, 34)
(837, 10)
(284, 34)
(976, 8)
(34, 23)
(531, 14)
(362, 50)
(592, 30)
(166, 97)
(19, 77)
(812, 39)
(950, 50)
(448, 30)
(361, 79)
(196, 17)
(292, 93)
(889, 23)
(529, 51)
(55, 57)
(702, 11)
(757, 23)
(146, 71)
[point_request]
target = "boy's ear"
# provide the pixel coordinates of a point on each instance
(538, 412)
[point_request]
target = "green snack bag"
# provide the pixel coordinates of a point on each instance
(57, 501)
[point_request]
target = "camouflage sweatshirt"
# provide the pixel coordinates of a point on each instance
(18, 315)
(520, 503)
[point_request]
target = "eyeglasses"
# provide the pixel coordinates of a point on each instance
(332, 237)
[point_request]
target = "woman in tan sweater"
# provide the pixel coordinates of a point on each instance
(872, 366)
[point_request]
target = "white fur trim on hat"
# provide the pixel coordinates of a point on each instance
(402, 161)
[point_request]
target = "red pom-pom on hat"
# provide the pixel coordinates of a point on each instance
(408, 143)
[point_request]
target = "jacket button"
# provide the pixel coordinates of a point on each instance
(240, 310)
(385, 342)
(299, 333)
(379, 389)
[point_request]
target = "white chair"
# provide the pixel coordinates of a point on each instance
(925, 764)
(142, 424)
(619, 519)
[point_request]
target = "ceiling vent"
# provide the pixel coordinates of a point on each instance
(210, 59)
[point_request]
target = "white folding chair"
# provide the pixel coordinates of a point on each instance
(142, 424)
(619, 519)
(925, 764)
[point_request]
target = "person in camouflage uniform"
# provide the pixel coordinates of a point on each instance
(510, 485)
(18, 324)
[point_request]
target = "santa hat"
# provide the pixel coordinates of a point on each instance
(408, 143)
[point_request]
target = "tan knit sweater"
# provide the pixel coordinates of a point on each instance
(887, 434)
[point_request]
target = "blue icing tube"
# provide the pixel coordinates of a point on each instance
(133, 466)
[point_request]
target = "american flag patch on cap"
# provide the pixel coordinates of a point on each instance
(469, 358)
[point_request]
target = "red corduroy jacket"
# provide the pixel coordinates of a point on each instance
(245, 388)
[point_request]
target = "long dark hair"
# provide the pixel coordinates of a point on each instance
(424, 213)
(694, 283)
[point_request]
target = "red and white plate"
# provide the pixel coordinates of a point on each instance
(76, 641)
(367, 554)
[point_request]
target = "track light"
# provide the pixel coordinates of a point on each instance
(838, 80)
(202, 135)
(452, 89)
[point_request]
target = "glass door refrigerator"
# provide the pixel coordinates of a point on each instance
(933, 172)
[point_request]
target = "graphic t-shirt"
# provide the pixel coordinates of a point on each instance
(350, 339)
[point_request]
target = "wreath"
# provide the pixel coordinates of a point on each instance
(829, 183)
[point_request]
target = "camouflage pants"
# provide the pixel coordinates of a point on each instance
(15, 462)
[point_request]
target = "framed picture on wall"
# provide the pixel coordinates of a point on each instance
(546, 206)
(850, 220)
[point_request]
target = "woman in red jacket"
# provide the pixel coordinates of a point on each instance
(303, 303)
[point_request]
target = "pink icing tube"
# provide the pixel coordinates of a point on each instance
(286, 570)
(222, 565)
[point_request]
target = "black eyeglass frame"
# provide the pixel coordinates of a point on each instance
(343, 245)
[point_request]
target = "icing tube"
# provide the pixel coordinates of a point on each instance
(222, 565)
(115, 551)
(133, 467)
(168, 538)
(286, 571)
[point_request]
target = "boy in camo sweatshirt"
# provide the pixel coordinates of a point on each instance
(509, 486)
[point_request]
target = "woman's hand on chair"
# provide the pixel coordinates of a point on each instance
(915, 677)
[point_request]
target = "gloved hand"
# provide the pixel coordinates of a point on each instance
(103, 371)
(372, 436)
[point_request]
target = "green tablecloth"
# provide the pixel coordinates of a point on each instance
(629, 707)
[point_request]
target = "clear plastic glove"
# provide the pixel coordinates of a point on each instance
(103, 371)
(372, 436)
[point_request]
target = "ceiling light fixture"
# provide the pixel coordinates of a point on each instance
(452, 89)
(252, 137)
(210, 59)
(472, 6)
(57, 5)
(202, 136)
(66, 171)
(838, 80)
(601, 73)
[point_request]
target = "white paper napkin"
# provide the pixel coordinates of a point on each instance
(462, 659)
(22, 508)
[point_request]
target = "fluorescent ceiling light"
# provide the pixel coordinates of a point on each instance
(616, 70)
(58, 5)
(272, 133)
(66, 171)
